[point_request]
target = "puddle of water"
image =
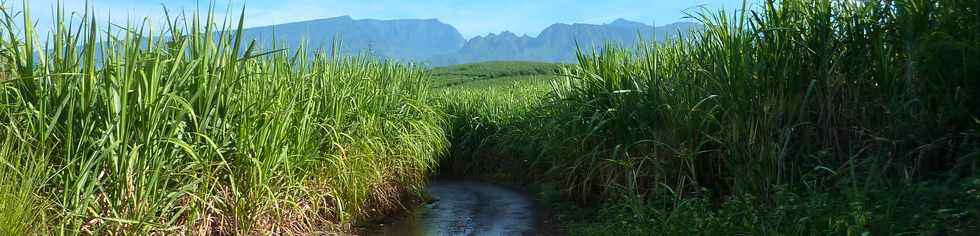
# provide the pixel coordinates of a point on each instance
(461, 207)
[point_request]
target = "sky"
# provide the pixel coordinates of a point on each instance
(471, 17)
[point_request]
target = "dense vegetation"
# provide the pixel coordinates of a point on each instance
(460, 74)
(482, 100)
(793, 117)
(194, 131)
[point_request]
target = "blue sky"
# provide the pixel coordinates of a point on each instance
(471, 17)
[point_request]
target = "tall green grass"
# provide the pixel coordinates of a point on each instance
(486, 115)
(193, 130)
(489, 72)
(746, 103)
(789, 117)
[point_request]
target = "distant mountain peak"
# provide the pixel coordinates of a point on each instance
(438, 43)
(403, 39)
(339, 18)
(559, 25)
(627, 23)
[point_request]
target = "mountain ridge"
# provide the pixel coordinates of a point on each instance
(437, 43)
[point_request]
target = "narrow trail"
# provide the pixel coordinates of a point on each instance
(463, 207)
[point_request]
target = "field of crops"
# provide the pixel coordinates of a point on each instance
(193, 131)
(481, 112)
(794, 117)
(797, 117)
(490, 72)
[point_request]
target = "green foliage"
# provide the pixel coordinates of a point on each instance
(799, 117)
(194, 131)
(482, 114)
(460, 74)
(850, 212)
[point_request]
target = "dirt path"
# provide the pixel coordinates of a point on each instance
(463, 207)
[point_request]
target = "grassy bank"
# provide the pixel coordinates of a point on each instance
(793, 117)
(192, 130)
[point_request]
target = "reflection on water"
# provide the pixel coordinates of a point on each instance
(460, 207)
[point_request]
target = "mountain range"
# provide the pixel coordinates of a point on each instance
(436, 43)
